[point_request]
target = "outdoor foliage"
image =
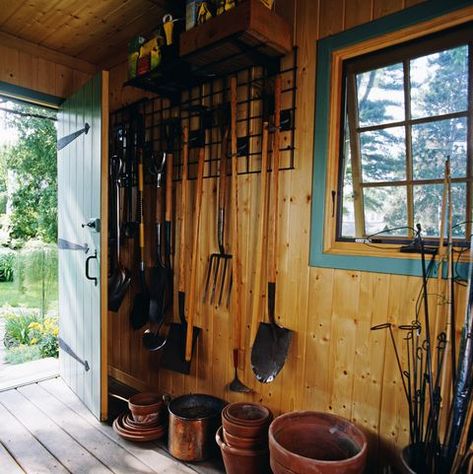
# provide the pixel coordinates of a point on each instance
(44, 334)
(25, 328)
(7, 264)
(22, 353)
(36, 270)
(17, 327)
(33, 162)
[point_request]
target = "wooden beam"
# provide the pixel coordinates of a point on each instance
(11, 41)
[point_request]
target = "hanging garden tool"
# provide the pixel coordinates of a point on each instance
(120, 278)
(219, 262)
(271, 345)
(235, 385)
(140, 310)
(174, 351)
(261, 234)
(159, 290)
(191, 302)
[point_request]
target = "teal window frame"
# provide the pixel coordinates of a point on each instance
(425, 11)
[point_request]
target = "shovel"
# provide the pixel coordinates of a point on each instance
(235, 385)
(119, 280)
(159, 288)
(140, 310)
(272, 341)
(174, 351)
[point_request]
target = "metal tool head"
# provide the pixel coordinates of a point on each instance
(270, 351)
(237, 386)
(218, 275)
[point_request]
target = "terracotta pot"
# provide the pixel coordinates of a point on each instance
(193, 421)
(245, 443)
(248, 414)
(316, 443)
(246, 420)
(239, 461)
(146, 407)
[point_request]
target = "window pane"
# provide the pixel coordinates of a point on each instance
(383, 155)
(433, 142)
(348, 209)
(439, 83)
(381, 95)
(459, 209)
(385, 208)
(428, 208)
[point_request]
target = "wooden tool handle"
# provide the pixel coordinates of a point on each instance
(223, 172)
(235, 247)
(274, 207)
(191, 300)
(261, 234)
(182, 226)
(169, 171)
(140, 198)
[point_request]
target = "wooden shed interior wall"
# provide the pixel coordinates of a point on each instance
(336, 364)
(41, 69)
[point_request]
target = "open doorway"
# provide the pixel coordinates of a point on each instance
(28, 236)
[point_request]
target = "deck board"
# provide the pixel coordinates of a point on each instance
(149, 453)
(46, 429)
(116, 458)
(8, 462)
(32, 456)
(62, 446)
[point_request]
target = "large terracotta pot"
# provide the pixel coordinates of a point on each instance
(193, 421)
(316, 443)
(242, 461)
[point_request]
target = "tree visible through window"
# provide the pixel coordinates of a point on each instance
(405, 111)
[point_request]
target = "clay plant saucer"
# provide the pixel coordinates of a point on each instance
(135, 434)
(248, 414)
(128, 423)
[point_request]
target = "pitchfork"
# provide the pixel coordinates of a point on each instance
(219, 262)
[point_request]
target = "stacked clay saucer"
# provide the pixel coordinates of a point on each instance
(145, 420)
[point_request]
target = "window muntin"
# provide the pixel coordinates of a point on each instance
(401, 121)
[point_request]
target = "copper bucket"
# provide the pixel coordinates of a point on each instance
(193, 422)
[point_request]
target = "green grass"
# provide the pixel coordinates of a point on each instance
(31, 298)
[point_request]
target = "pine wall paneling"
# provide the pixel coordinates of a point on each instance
(37, 68)
(336, 364)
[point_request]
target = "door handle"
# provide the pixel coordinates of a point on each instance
(93, 223)
(87, 268)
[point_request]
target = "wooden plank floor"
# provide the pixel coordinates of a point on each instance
(45, 428)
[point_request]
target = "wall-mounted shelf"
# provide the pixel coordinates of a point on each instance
(247, 35)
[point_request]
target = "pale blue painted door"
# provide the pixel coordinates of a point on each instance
(82, 164)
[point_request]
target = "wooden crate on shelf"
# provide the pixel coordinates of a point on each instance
(249, 34)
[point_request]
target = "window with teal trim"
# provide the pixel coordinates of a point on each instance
(394, 100)
(406, 119)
